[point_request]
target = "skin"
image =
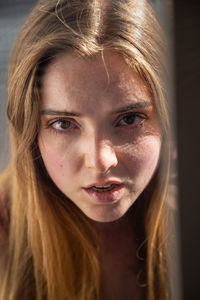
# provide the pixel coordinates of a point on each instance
(98, 144)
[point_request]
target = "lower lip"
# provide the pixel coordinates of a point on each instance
(106, 197)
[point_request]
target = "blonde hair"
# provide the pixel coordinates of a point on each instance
(53, 250)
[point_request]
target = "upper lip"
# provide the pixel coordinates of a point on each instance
(103, 183)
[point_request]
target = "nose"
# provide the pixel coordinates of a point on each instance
(101, 156)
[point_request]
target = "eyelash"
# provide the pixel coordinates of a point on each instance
(62, 120)
(139, 116)
(72, 125)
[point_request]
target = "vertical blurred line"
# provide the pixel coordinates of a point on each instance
(174, 227)
(165, 10)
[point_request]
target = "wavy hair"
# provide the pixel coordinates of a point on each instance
(52, 249)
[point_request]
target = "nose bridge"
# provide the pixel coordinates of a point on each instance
(101, 153)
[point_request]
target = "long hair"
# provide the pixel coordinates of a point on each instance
(53, 251)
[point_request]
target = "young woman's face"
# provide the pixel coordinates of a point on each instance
(100, 137)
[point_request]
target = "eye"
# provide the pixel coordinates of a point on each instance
(62, 125)
(131, 119)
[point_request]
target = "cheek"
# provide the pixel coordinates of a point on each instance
(143, 157)
(56, 158)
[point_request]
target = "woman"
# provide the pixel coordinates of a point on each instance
(83, 201)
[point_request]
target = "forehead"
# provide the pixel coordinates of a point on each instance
(100, 76)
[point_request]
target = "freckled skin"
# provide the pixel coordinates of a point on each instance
(95, 149)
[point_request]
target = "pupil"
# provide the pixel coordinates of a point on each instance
(129, 119)
(64, 124)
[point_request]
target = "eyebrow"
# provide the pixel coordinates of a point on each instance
(58, 112)
(126, 108)
(131, 106)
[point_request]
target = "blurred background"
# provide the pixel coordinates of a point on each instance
(181, 19)
(12, 14)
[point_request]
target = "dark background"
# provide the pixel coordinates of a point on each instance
(187, 91)
(187, 102)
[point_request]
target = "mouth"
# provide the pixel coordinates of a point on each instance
(104, 188)
(105, 192)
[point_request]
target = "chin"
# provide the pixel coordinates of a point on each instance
(105, 214)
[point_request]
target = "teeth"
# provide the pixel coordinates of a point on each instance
(103, 188)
